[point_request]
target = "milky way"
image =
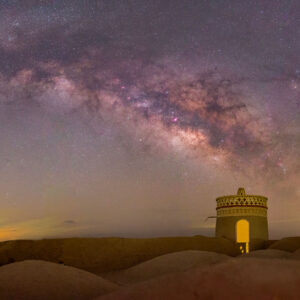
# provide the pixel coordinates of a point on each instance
(211, 85)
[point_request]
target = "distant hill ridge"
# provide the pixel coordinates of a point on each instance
(100, 255)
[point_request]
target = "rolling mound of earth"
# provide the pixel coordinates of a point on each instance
(296, 254)
(165, 264)
(98, 255)
(234, 279)
(290, 244)
(268, 253)
(36, 280)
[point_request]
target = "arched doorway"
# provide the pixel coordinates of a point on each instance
(243, 234)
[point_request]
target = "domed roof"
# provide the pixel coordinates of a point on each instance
(242, 193)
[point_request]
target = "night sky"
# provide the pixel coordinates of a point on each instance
(128, 118)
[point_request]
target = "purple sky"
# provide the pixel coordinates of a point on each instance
(128, 118)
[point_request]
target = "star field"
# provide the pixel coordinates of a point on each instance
(131, 117)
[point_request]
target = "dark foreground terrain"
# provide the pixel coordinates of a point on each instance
(159, 268)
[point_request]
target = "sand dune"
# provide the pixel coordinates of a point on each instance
(268, 253)
(160, 268)
(33, 279)
(290, 244)
(98, 255)
(168, 263)
(235, 279)
(296, 254)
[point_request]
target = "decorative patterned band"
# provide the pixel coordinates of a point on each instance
(242, 211)
(228, 206)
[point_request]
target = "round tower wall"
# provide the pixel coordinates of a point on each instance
(226, 227)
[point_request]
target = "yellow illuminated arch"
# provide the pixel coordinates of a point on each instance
(242, 233)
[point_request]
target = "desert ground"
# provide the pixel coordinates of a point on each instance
(159, 268)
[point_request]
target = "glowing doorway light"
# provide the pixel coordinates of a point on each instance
(242, 233)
